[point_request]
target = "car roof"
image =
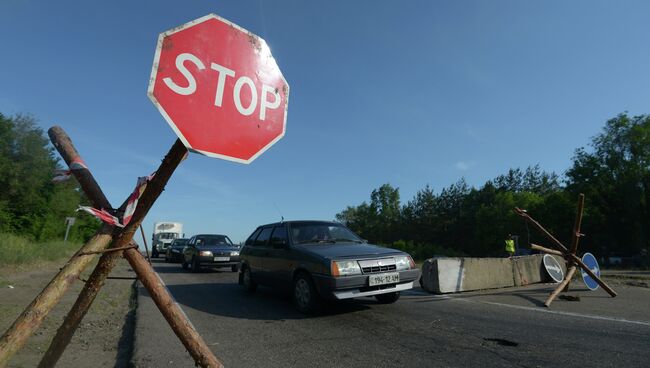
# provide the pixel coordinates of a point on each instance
(301, 222)
(210, 235)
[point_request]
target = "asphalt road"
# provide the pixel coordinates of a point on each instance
(501, 328)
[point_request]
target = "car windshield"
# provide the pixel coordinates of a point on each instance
(322, 232)
(179, 242)
(213, 240)
(168, 236)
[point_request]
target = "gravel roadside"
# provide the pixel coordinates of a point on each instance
(105, 337)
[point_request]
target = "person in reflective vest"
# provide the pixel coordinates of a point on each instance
(510, 245)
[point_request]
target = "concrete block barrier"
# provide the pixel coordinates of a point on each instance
(453, 275)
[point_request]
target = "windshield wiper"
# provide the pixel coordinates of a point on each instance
(347, 240)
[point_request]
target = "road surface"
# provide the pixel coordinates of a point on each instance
(498, 328)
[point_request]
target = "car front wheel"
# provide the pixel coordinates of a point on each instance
(305, 295)
(196, 267)
(387, 298)
(247, 280)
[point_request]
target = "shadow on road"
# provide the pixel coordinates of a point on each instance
(230, 300)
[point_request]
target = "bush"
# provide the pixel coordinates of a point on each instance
(15, 250)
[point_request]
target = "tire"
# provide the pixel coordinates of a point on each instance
(184, 264)
(154, 254)
(167, 259)
(387, 298)
(305, 296)
(247, 280)
(196, 267)
(234, 268)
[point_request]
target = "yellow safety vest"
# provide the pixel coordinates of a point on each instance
(510, 246)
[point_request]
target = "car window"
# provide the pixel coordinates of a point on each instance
(316, 232)
(251, 238)
(279, 236)
(213, 240)
(263, 238)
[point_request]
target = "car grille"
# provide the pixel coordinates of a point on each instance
(377, 269)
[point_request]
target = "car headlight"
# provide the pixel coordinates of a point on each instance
(404, 263)
(345, 268)
(205, 253)
(235, 253)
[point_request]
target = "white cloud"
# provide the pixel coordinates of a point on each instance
(464, 165)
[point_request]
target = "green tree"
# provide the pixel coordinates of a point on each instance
(615, 177)
(30, 204)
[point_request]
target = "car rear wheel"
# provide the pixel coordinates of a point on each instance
(387, 298)
(247, 280)
(305, 296)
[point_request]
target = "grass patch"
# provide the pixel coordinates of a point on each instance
(17, 250)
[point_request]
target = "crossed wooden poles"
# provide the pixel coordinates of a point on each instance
(121, 243)
(573, 261)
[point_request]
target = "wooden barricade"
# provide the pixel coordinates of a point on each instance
(569, 254)
(122, 244)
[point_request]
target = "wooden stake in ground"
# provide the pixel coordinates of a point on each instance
(573, 261)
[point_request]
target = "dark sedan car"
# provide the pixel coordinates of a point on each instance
(318, 259)
(174, 252)
(210, 250)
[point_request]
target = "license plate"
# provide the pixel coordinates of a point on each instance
(221, 259)
(383, 278)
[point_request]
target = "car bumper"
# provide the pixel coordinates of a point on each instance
(210, 261)
(358, 286)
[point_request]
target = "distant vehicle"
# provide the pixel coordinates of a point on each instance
(163, 235)
(319, 259)
(174, 252)
(210, 250)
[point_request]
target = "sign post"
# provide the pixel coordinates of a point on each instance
(69, 221)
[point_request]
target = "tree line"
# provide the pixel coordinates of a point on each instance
(31, 205)
(613, 173)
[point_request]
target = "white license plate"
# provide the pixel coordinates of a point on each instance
(383, 278)
(221, 259)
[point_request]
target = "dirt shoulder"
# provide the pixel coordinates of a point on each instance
(104, 338)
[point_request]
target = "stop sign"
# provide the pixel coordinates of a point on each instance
(220, 89)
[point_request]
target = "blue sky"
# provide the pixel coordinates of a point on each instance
(405, 92)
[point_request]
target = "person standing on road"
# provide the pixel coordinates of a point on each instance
(510, 246)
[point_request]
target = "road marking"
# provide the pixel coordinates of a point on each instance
(571, 314)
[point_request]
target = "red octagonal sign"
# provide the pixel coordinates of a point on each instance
(220, 89)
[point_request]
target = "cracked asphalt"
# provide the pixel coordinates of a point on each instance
(496, 328)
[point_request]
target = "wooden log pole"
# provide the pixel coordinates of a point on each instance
(94, 193)
(575, 237)
(541, 229)
(179, 323)
(560, 287)
(547, 250)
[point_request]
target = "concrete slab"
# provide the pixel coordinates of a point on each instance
(453, 275)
